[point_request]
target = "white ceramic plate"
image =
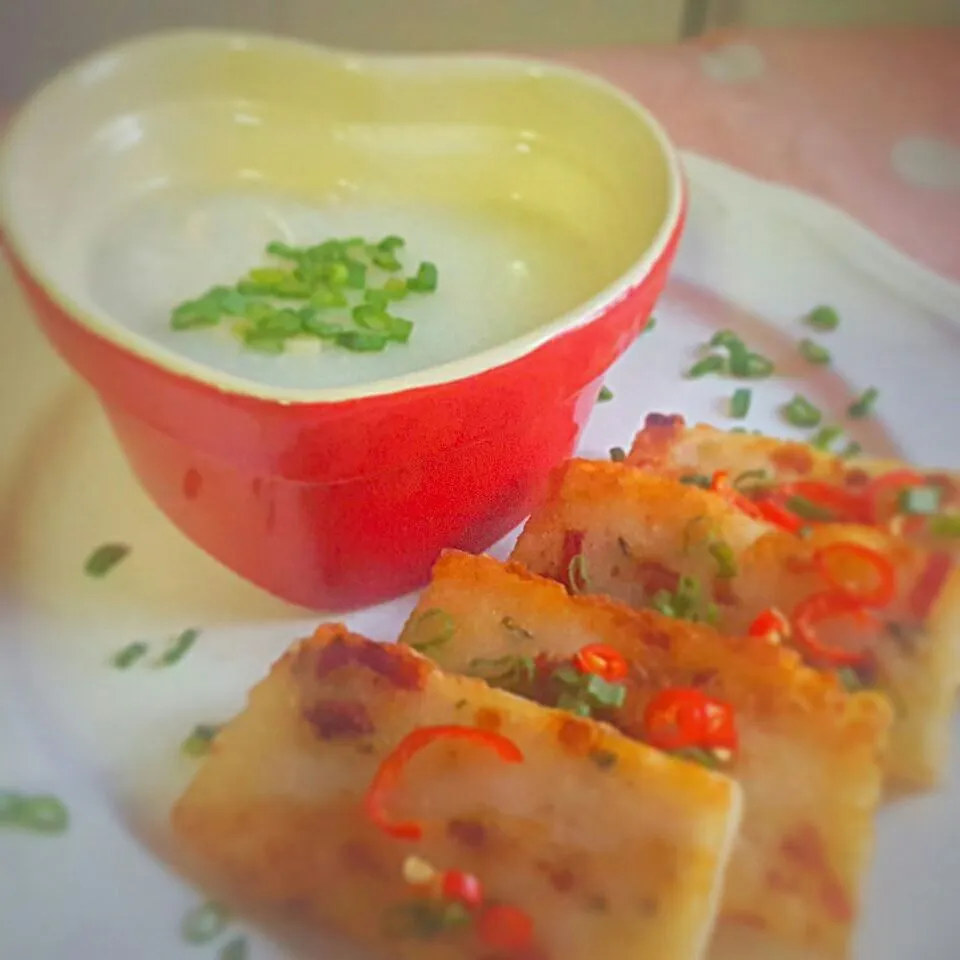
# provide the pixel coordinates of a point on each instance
(755, 258)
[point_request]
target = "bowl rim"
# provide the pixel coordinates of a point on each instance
(175, 364)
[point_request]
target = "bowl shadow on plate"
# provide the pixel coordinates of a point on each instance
(175, 580)
(829, 390)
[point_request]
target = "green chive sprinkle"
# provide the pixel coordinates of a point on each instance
(651, 323)
(740, 403)
(37, 814)
(753, 367)
(919, 501)
(712, 363)
(800, 412)
(808, 510)
(519, 632)
(235, 949)
(698, 755)
(850, 680)
(104, 559)
(852, 449)
(129, 655)
(178, 650)
(604, 395)
(696, 480)
(724, 338)
(823, 318)
(441, 626)
(825, 437)
(618, 454)
(812, 352)
(204, 923)
(200, 740)
(751, 479)
(863, 405)
(723, 553)
(947, 525)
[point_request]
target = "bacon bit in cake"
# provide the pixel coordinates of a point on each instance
(930, 584)
(486, 718)
(471, 833)
(394, 764)
(602, 660)
(806, 850)
(576, 736)
(680, 718)
(657, 638)
(390, 661)
(792, 458)
(723, 593)
(562, 879)
(654, 577)
(504, 927)
(827, 606)
(858, 572)
(339, 719)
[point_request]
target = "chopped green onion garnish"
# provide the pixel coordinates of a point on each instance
(751, 479)
(507, 672)
(38, 814)
(395, 288)
(725, 338)
(200, 739)
(808, 510)
(356, 277)
(441, 626)
(824, 438)
(391, 242)
(204, 923)
(919, 501)
(235, 949)
(577, 575)
(651, 323)
(823, 318)
(698, 755)
(852, 449)
(604, 395)
(863, 405)
(361, 341)
(104, 559)
(712, 363)
(426, 279)
(129, 655)
(723, 553)
(812, 352)
(696, 480)
(752, 367)
(423, 919)
(279, 249)
(800, 412)
(740, 403)
(946, 525)
(178, 650)
(618, 454)
(851, 681)
(603, 693)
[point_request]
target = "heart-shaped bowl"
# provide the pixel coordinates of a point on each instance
(550, 202)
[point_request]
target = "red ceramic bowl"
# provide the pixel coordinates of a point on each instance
(551, 202)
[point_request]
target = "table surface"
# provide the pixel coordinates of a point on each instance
(868, 119)
(865, 118)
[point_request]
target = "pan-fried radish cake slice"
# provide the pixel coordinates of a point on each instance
(805, 751)
(424, 815)
(796, 483)
(849, 598)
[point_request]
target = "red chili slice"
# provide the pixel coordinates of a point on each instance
(776, 513)
(827, 606)
(461, 887)
(602, 660)
(684, 717)
(880, 495)
(504, 927)
(770, 625)
(390, 770)
(835, 561)
(930, 584)
(720, 483)
(845, 505)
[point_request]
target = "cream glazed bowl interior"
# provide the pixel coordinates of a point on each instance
(550, 202)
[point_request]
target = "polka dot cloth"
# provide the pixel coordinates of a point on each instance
(867, 119)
